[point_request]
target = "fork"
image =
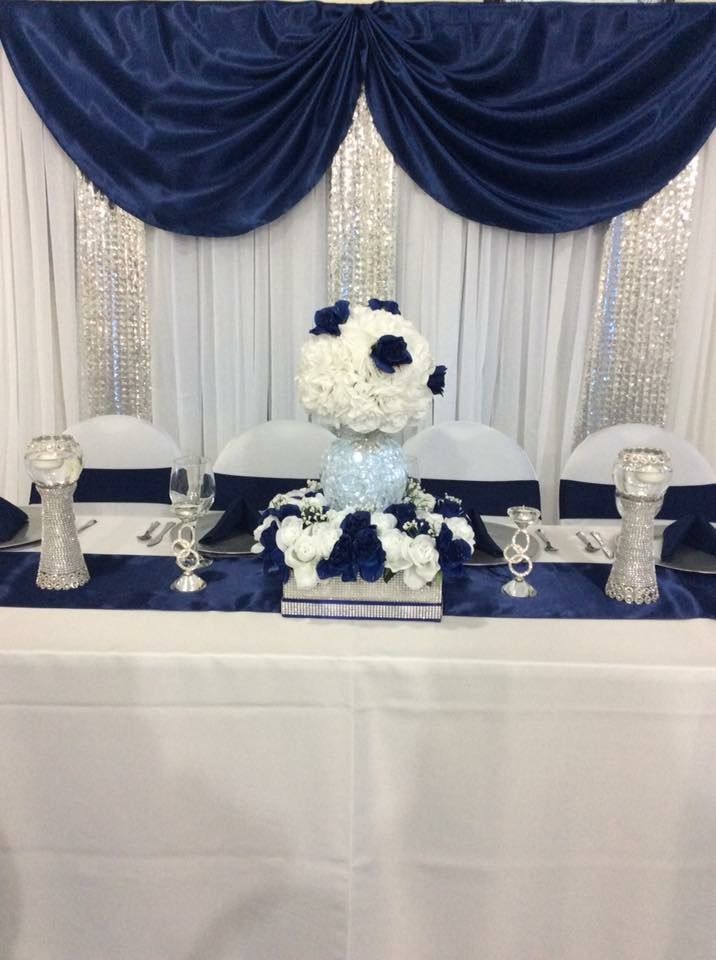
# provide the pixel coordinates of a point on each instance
(149, 531)
(588, 545)
(548, 545)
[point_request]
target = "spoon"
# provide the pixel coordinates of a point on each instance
(149, 531)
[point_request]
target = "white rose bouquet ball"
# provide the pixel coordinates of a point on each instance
(367, 368)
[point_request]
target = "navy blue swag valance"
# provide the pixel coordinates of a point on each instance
(215, 118)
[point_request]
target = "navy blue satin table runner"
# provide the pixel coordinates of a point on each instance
(565, 590)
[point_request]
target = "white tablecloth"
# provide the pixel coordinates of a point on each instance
(206, 786)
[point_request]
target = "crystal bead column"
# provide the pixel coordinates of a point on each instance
(361, 215)
(627, 369)
(114, 321)
(633, 574)
(62, 564)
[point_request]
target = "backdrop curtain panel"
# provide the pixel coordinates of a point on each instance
(213, 119)
(507, 312)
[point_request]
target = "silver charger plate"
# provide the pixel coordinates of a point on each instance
(30, 534)
(502, 534)
(237, 545)
(686, 559)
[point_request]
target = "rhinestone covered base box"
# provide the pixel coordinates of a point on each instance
(364, 601)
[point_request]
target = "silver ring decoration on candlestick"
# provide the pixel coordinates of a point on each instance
(641, 476)
(55, 463)
(187, 559)
(517, 552)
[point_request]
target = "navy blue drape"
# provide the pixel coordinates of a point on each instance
(215, 118)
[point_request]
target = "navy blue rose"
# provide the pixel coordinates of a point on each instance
(390, 306)
(287, 510)
(328, 319)
(390, 352)
(453, 553)
(369, 554)
(341, 562)
(354, 522)
(272, 556)
(449, 507)
(403, 512)
(436, 380)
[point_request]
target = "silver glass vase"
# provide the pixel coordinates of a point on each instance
(641, 476)
(364, 471)
(55, 463)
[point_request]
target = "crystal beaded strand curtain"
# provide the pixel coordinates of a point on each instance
(361, 215)
(115, 360)
(627, 370)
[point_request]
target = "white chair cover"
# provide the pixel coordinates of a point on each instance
(587, 488)
(117, 442)
(277, 448)
(593, 459)
(463, 450)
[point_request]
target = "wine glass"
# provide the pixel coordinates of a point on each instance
(191, 491)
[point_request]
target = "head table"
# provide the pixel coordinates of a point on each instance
(205, 785)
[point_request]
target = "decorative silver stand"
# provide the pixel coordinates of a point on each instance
(641, 476)
(188, 559)
(55, 463)
(516, 552)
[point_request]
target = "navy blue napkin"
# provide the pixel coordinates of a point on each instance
(12, 520)
(483, 541)
(238, 518)
(690, 531)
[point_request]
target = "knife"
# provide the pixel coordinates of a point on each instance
(157, 538)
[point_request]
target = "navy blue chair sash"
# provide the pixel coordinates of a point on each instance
(139, 485)
(255, 491)
(578, 499)
(488, 497)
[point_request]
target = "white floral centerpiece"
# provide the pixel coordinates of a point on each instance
(367, 372)
(365, 541)
(367, 368)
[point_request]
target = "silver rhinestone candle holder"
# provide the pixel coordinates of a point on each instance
(641, 476)
(517, 553)
(55, 464)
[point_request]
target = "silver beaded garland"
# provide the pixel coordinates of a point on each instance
(115, 349)
(627, 370)
(362, 215)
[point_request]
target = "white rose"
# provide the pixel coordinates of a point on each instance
(461, 530)
(424, 562)
(383, 522)
(396, 545)
(325, 536)
(306, 576)
(288, 531)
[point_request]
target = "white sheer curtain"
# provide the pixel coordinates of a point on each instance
(39, 391)
(508, 313)
(228, 317)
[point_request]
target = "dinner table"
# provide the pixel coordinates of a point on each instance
(195, 777)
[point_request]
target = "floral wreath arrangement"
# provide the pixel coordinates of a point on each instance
(368, 370)
(419, 537)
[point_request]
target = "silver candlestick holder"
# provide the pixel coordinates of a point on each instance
(187, 559)
(517, 552)
(55, 464)
(641, 476)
